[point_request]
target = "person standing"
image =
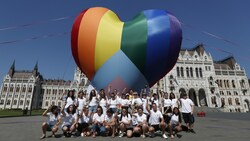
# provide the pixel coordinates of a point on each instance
(187, 109)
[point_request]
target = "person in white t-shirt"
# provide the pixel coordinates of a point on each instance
(187, 109)
(174, 125)
(70, 120)
(110, 122)
(167, 108)
(53, 122)
(174, 101)
(136, 102)
(139, 120)
(84, 122)
(98, 123)
(125, 121)
(124, 102)
(70, 98)
(156, 121)
(113, 103)
(93, 101)
(103, 101)
(80, 102)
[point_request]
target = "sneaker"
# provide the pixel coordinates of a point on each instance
(151, 135)
(164, 136)
(143, 136)
(43, 136)
(120, 135)
(82, 134)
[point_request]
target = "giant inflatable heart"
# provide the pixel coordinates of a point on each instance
(125, 54)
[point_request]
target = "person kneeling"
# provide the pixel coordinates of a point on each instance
(125, 123)
(98, 123)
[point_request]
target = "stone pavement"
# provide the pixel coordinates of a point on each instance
(213, 127)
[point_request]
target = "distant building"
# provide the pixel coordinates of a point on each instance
(207, 82)
(28, 89)
(217, 84)
(20, 89)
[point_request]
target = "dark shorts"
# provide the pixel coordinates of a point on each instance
(49, 127)
(82, 126)
(156, 127)
(188, 118)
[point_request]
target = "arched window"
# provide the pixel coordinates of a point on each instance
(2, 102)
(178, 71)
(46, 103)
(11, 88)
(17, 88)
(24, 88)
(225, 83)
(15, 102)
(233, 84)
(191, 72)
(5, 88)
(200, 72)
(230, 101)
(21, 102)
(182, 72)
(196, 72)
(8, 102)
(187, 71)
(30, 89)
(237, 101)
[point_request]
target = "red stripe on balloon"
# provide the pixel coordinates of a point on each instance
(74, 37)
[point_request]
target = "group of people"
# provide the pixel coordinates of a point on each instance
(119, 114)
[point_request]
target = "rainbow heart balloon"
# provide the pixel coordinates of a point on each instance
(125, 54)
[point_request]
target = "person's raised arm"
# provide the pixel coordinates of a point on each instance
(46, 111)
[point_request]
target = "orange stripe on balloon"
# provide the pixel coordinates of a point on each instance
(87, 39)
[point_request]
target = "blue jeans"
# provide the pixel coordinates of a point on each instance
(100, 129)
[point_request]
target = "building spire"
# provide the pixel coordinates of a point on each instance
(12, 69)
(35, 70)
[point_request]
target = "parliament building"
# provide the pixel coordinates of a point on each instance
(219, 84)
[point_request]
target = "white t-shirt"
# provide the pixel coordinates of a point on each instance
(125, 118)
(70, 101)
(85, 118)
(103, 102)
(155, 117)
(125, 102)
(69, 119)
(139, 119)
(137, 101)
(167, 103)
(81, 103)
(98, 118)
(174, 119)
(156, 101)
(186, 105)
(113, 103)
(174, 103)
(108, 119)
(93, 101)
(52, 118)
(144, 104)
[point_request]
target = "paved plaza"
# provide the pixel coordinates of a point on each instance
(213, 127)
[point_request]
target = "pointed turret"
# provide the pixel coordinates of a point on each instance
(12, 69)
(35, 70)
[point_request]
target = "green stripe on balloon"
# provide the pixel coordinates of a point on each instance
(134, 41)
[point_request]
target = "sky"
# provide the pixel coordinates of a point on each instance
(39, 31)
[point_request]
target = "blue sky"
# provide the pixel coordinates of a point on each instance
(228, 19)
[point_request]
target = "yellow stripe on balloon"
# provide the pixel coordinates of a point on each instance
(108, 39)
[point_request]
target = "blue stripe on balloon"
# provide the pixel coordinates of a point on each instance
(157, 45)
(119, 66)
